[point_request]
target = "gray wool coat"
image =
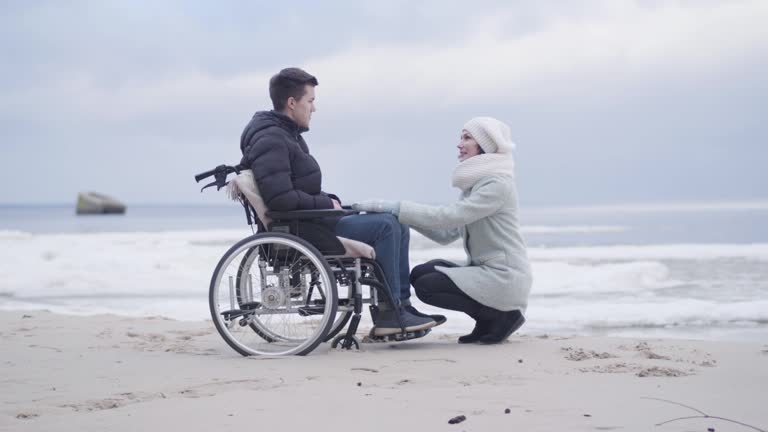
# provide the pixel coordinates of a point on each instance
(497, 273)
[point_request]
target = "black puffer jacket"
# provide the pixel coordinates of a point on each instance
(288, 177)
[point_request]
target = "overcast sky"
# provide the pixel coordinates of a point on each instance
(609, 101)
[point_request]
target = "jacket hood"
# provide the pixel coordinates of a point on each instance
(264, 119)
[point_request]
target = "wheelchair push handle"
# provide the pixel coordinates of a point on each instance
(220, 173)
(204, 175)
(224, 169)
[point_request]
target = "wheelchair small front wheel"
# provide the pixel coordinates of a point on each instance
(273, 294)
(345, 342)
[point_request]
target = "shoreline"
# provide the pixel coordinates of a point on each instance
(108, 372)
(459, 324)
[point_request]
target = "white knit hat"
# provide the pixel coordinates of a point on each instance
(492, 135)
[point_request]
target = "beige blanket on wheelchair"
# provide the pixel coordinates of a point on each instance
(244, 186)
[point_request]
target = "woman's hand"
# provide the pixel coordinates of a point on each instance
(378, 206)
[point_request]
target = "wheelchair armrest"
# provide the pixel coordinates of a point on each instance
(306, 214)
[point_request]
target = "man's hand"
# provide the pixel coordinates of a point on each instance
(336, 204)
(378, 206)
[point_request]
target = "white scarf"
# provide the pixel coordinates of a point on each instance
(470, 171)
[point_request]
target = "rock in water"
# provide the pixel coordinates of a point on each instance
(96, 203)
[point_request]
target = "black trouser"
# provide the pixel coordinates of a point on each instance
(436, 289)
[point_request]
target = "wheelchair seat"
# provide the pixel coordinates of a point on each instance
(301, 223)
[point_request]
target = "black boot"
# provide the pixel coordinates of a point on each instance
(504, 325)
(406, 304)
(481, 329)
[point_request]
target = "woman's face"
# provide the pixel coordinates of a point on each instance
(468, 147)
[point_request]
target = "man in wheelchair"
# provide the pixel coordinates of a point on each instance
(288, 178)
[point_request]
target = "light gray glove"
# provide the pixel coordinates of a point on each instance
(378, 206)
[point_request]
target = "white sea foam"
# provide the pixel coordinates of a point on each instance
(648, 312)
(575, 288)
(562, 278)
(654, 208)
(12, 234)
(573, 229)
(757, 252)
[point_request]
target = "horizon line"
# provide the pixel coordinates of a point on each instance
(649, 206)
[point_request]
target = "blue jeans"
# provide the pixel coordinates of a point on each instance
(390, 239)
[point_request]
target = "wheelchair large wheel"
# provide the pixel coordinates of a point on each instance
(241, 288)
(273, 294)
(344, 294)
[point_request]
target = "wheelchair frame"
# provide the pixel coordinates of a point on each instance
(323, 268)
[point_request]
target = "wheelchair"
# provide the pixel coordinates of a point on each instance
(293, 284)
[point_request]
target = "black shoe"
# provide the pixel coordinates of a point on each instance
(481, 329)
(500, 329)
(388, 322)
(406, 304)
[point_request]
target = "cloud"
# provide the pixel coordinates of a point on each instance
(620, 43)
(626, 84)
(616, 44)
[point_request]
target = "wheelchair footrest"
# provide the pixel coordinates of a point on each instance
(245, 309)
(311, 310)
(235, 313)
(399, 337)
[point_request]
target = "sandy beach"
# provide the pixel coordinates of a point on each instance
(122, 374)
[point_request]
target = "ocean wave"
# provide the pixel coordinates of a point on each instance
(568, 279)
(175, 262)
(757, 251)
(653, 208)
(602, 287)
(573, 229)
(753, 252)
(14, 235)
(648, 313)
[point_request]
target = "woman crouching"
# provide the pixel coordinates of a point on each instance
(493, 286)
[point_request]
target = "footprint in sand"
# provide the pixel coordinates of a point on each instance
(645, 351)
(113, 402)
(189, 334)
(638, 370)
(182, 344)
(204, 390)
(578, 354)
(427, 360)
(611, 368)
(364, 369)
(656, 371)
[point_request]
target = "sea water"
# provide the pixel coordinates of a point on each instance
(691, 271)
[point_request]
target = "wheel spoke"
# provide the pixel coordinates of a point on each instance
(270, 286)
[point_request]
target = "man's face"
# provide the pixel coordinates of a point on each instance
(303, 108)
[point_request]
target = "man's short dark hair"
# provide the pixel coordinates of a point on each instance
(289, 83)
